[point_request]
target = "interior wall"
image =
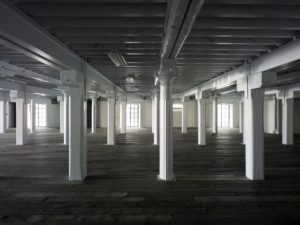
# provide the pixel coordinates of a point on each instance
(146, 113)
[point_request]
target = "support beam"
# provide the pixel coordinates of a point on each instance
(94, 114)
(111, 131)
(32, 116)
(254, 111)
(21, 116)
(123, 105)
(166, 74)
(180, 19)
(75, 123)
(66, 117)
(61, 114)
(241, 115)
(3, 116)
(24, 36)
(287, 121)
(156, 117)
(184, 116)
(214, 115)
(201, 121)
(77, 135)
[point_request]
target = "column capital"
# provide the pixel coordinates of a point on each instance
(167, 70)
(185, 98)
(71, 78)
(60, 98)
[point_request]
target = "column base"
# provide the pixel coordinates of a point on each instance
(172, 179)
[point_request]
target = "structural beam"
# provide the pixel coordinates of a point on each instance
(181, 15)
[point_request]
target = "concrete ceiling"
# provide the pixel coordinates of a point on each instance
(226, 34)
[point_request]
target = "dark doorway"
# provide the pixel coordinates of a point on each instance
(89, 113)
(12, 115)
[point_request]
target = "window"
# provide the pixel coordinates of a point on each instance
(133, 115)
(177, 107)
(224, 115)
(40, 115)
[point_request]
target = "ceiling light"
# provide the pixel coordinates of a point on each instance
(117, 59)
(155, 81)
(130, 79)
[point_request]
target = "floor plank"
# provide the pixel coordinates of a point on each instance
(121, 187)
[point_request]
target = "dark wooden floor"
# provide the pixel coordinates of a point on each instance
(121, 187)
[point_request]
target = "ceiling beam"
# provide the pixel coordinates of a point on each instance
(28, 74)
(22, 33)
(88, 9)
(181, 15)
(247, 23)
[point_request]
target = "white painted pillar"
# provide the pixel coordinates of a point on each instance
(21, 115)
(3, 117)
(32, 116)
(61, 114)
(184, 116)
(254, 129)
(215, 115)
(287, 121)
(156, 117)
(241, 115)
(153, 111)
(94, 114)
(66, 117)
(77, 134)
(201, 121)
(7, 115)
(111, 131)
(166, 129)
(123, 106)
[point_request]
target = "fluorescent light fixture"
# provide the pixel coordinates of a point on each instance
(155, 81)
(117, 59)
(130, 79)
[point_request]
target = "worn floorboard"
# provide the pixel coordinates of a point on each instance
(121, 187)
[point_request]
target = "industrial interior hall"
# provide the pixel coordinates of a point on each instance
(150, 112)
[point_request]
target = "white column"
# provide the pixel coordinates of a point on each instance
(153, 111)
(241, 115)
(61, 114)
(66, 117)
(77, 134)
(287, 121)
(166, 129)
(3, 117)
(94, 114)
(254, 129)
(214, 115)
(21, 116)
(7, 115)
(111, 132)
(184, 116)
(201, 122)
(123, 105)
(156, 117)
(32, 116)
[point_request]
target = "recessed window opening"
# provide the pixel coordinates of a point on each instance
(40, 115)
(177, 107)
(224, 115)
(133, 115)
